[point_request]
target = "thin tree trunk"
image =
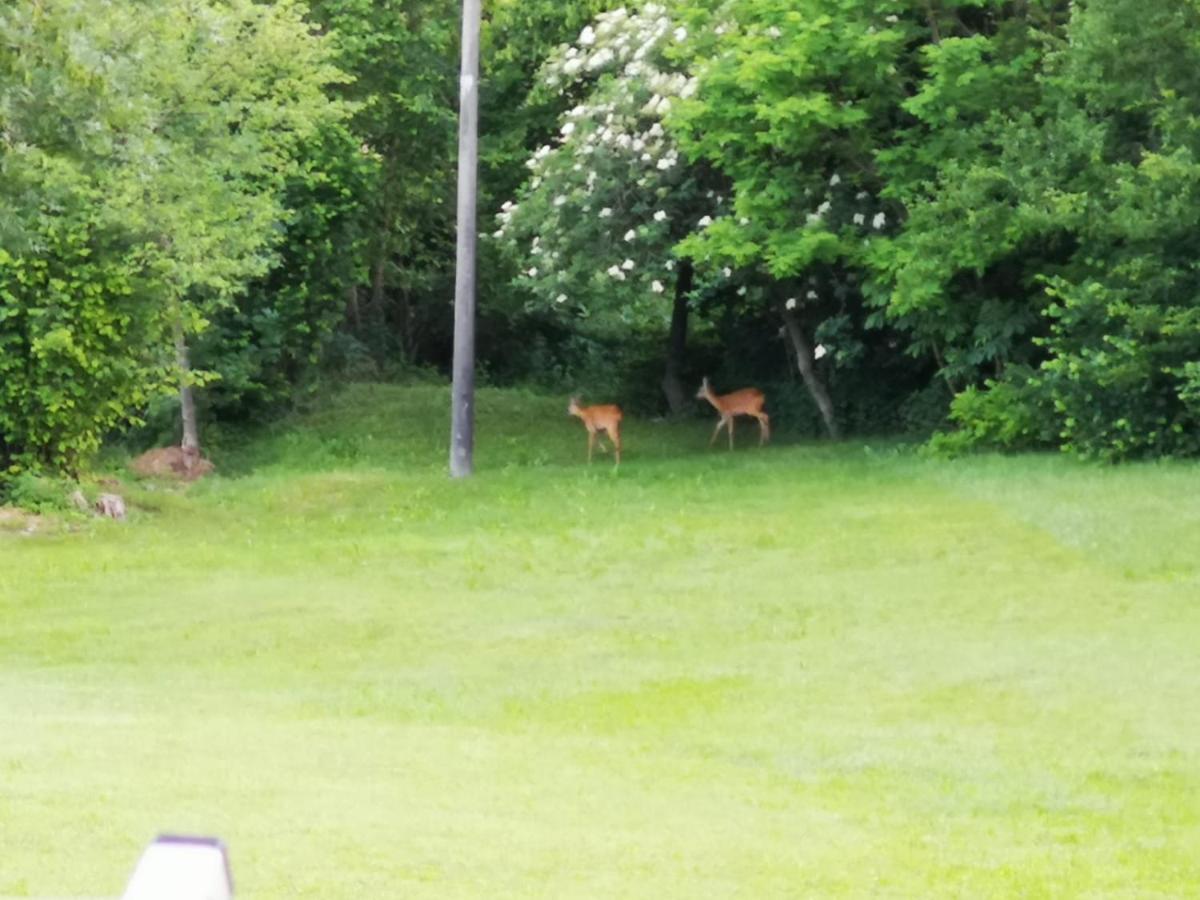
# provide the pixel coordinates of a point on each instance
(187, 397)
(804, 362)
(931, 18)
(352, 308)
(378, 272)
(672, 383)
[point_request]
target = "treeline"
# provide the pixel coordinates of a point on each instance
(966, 215)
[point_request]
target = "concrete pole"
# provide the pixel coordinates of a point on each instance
(462, 403)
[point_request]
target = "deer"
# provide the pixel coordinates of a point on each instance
(746, 402)
(605, 417)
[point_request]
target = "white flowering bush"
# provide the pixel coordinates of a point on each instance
(606, 202)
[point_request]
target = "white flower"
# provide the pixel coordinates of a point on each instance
(665, 163)
(646, 157)
(819, 351)
(705, 222)
(532, 273)
(587, 37)
(561, 298)
(811, 295)
(507, 206)
(560, 200)
(670, 265)
(741, 292)
(664, 105)
(835, 180)
(615, 272)
(660, 216)
(812, 219)
(498, 234)
(791, 303)
(823, 208)
(774, 32)
(727, 272)
(743, 221)
(861, 195)
(571, 66)
(681, 33)
(892, 19)
(567, 129)
(630, 235)
(657, 287)
(859, 218)
(603, 58)
(627, 265)
(879, 221)
(606, 212)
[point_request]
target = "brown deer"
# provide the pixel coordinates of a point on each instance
(746, 402)
(606, 417)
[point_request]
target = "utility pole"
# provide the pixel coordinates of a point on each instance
(462, 402)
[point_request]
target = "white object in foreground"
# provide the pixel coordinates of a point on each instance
(181, 868)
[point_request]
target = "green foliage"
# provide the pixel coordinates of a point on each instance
(145, 149)
(1013, 414)
(1062, 238)
(402, 56)
(78, 332)
(595, 225)
(38, 494)
(272, 338)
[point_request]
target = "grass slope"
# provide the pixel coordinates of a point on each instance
(799, 671)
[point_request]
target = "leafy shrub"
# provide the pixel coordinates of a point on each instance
(1006, 415)
(38, 493)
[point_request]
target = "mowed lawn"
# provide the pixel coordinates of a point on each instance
(804, 671)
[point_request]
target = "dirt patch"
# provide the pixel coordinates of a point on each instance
(174, 463)
(17, 521)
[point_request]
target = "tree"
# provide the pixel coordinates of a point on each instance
(182, 119)
(606, 203)
(402, 56)
(1049, 243)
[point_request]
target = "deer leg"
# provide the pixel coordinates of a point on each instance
(764, 428)
(716, 431)
(730, 432)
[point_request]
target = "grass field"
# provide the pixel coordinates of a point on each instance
(799, 671)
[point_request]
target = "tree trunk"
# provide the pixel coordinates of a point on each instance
(672, 383)
(804, 362)
(352, 310)
(378, 274)
(187, 398)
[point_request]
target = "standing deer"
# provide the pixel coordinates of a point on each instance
(746, 402)
(606, 417)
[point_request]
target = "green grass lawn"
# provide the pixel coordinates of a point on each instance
(799, 671)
